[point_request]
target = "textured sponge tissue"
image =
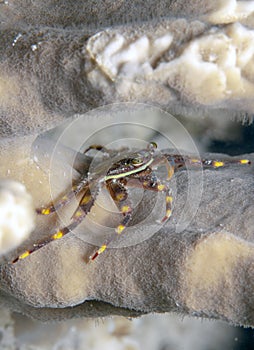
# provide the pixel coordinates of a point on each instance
(17, 218)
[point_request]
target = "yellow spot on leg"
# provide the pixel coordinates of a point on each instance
(195, 160)
(57, 235)
(98, 252)
(125, 209)
(244, 161)
(86, 199)
(217, 164)
(170, 172)
(24, 255)
(161, 187)
(78, 214)
(45, 211)
(120, 196)
(120, 229)
(169, 199)
(102, 248)
(168, 213)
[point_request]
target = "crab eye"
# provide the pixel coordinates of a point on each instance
(136, 161)
(152, 145)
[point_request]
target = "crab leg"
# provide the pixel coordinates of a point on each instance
(178, 161)
(222, 163)
(97, 148)
(85, 206)
(53, 207)
(119, 194)
(152, 184)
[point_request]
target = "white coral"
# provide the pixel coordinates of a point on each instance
(230, 11)
(17, 217)
(215, 69)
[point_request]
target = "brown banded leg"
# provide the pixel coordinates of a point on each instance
(85, 206)
(152, 184)
(36, 246)
(164, 161)
(215, 163)
(97, 148)
(64, 200)
(107, 152)
(179, 161)
(223, 163)
(148, 181)
(120, 196)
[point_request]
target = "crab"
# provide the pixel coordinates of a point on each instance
(132, 169)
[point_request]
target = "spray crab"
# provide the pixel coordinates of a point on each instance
(139, 167)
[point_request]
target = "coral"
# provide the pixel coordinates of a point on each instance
(7, 334)
(166, 272)
(17, 215)
(136, 62)
(231, 11)
(53, 70)
(122, 334)
(67, 70)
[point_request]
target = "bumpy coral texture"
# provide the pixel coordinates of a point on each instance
(73, 61)
(17, 214)
(66, 71)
